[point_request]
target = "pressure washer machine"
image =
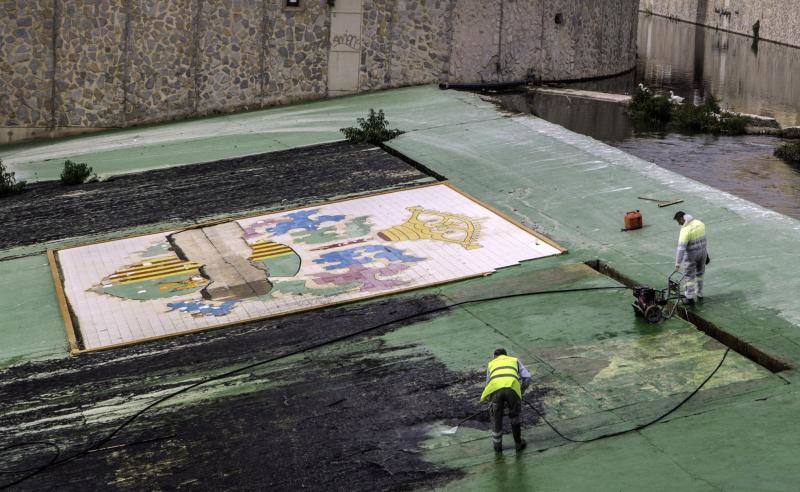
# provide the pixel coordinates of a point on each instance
(653, 304)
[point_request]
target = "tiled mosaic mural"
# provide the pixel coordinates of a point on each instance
(175, 282)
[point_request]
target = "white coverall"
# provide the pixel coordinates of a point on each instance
(692, 255)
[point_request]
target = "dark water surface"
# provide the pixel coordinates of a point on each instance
(761, 78)
(743, 166)
(693, 61)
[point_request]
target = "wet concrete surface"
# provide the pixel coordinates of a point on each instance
(744, 165)
(569, 188)
(49, 211)
(693, 61)
(346, 415)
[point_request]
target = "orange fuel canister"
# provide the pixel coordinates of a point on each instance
(633, 220)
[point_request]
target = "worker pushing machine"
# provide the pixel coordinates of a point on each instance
(506, 380)
(692, 255)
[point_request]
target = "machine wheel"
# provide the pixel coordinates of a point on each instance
(653, 314)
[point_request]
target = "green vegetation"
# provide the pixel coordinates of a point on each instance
(8, 183)
(789, 152)
(707, 118)
(75, 173)
(374, 129)
(650, 111)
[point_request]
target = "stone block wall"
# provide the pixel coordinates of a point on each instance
(779, 19)
(90, 63)
(376, 44)
(26, 62)
(420, 41)
(160, 49)
(296, 52)
(230, 59)
(76, 65)
(405, 42)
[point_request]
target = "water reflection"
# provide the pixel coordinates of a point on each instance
(743, 166)
(692, 61)
(604, 121)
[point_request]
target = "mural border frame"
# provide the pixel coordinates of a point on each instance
(72, 330)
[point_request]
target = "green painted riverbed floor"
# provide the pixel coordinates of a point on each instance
(220, 137)
(596, 367)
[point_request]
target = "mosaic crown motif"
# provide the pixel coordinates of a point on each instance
(435, 226)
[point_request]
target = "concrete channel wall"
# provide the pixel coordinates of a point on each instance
(779, 20)
(71, 66)
(551, 39)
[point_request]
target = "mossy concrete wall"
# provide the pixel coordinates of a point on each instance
(70, 66)
(779, 20)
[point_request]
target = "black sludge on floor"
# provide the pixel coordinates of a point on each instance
(338, 409)
(48, 211)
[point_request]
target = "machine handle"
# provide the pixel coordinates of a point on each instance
(679, 280)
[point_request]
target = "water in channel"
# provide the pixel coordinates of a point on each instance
(693, 61)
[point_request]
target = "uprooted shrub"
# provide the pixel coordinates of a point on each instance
(374, 129)
(650, 111)
(75, 173)
(8, 183)
(789, 152)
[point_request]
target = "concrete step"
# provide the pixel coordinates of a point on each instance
(596, 96)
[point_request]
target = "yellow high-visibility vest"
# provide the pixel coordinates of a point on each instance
(691, 232)
(503, 373)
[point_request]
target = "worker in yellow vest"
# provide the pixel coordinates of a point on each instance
(506, 380)
(692, 255)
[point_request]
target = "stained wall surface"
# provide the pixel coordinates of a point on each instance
(549, 39)
(76, 65)
(779, 20)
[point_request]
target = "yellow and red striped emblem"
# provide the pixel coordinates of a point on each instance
(152, 269)
(263, 250)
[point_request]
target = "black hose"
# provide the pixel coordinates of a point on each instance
(638, 427)
(57, 461)
(483, 86)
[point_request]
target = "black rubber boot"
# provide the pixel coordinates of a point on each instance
(519, 442)
(497, 442)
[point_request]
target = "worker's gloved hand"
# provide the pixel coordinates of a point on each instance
(677, 268)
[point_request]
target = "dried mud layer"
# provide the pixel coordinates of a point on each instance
(49, 211)
(349, 413)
